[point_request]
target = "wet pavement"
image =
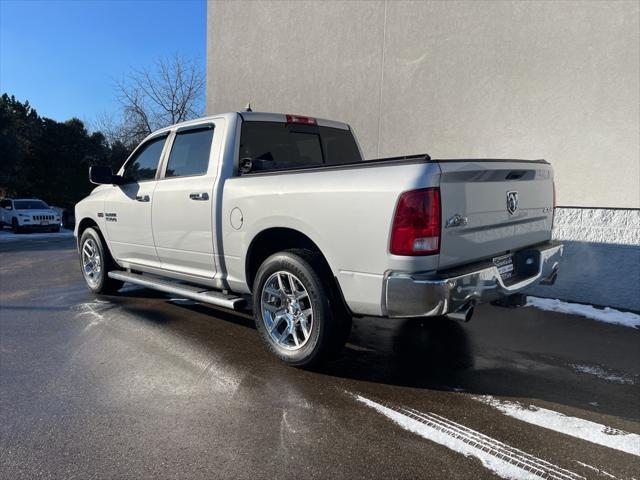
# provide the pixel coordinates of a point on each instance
(140, 385)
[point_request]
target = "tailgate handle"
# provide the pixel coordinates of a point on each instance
(199, 196)
(516, 174)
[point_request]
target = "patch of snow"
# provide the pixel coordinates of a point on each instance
(500, 458)
(591, 467)
(607, 315)
(576, 427)
(600, 372)
(9, 236)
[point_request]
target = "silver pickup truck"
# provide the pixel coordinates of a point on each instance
(280, 214)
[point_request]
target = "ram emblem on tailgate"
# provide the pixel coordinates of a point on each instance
(512, 202)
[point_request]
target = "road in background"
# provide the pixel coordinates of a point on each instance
(140, 385)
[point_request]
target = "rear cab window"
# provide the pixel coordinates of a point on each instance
(271, 146)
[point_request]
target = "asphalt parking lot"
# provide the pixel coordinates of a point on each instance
(141, 385)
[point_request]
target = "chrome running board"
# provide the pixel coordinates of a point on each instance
(192, 292)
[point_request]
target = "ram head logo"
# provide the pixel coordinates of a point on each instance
(512, 202)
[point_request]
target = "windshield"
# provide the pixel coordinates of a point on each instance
(30, 205)
(281, 146)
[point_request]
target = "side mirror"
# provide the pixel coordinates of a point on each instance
(101, 175)
(246, 164)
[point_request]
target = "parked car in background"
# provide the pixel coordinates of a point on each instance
(281, 212)
(28, 214)
(67, 217)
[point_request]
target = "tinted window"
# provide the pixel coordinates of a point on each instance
(144, 165)
(276, 146)
(272, 145)
(30, 204)
(5, 203)
(190, 153)
(339, 146)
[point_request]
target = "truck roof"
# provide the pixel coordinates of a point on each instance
(253, 117)
(282, 117)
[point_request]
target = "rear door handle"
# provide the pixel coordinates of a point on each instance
(199, 196)
(143, 198)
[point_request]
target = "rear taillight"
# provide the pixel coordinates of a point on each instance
(416, 224)
(301, 119)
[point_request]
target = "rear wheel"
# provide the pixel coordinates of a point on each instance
(295, 309)
(95, 262)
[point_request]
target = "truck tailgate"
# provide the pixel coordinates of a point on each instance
(493, 207)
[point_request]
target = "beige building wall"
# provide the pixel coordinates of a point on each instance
(539, 79)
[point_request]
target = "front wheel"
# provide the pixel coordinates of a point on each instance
(15, 226)
(95, 262)
(295, 309)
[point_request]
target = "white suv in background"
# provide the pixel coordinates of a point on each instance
(24, 214)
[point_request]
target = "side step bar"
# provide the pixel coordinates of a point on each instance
(192, 292)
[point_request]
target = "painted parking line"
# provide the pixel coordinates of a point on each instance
(502, 459)
(576, 427)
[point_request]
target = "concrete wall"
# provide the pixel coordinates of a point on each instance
(601, 263)
(555, 80)
(541, 79)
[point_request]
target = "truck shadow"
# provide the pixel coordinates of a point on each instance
(443, 354)
(414, 352)
(431, 354)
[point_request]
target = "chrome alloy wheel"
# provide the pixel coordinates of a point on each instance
(286, 310)
(91, 262)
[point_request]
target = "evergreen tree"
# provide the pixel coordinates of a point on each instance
(43, 158)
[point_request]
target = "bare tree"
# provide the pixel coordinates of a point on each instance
(171, 91)
(110, 126)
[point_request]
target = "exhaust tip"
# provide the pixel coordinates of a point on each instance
(551, 279)
(463, 314)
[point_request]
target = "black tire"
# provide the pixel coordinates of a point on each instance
(15, 226)
(331, 323)
(99, 282)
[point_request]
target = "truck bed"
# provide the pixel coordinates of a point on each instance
(388, 162)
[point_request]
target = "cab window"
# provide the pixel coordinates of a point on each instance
(190, 153)
(282, 146)
(278, 146)
(143, 166)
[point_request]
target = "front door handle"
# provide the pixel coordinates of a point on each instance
(199, 196)
(143, 198)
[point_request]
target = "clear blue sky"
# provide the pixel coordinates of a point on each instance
(64, 56)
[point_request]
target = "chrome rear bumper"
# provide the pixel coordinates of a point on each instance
(429, 294)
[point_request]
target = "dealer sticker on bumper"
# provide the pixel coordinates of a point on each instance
(505, 265)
